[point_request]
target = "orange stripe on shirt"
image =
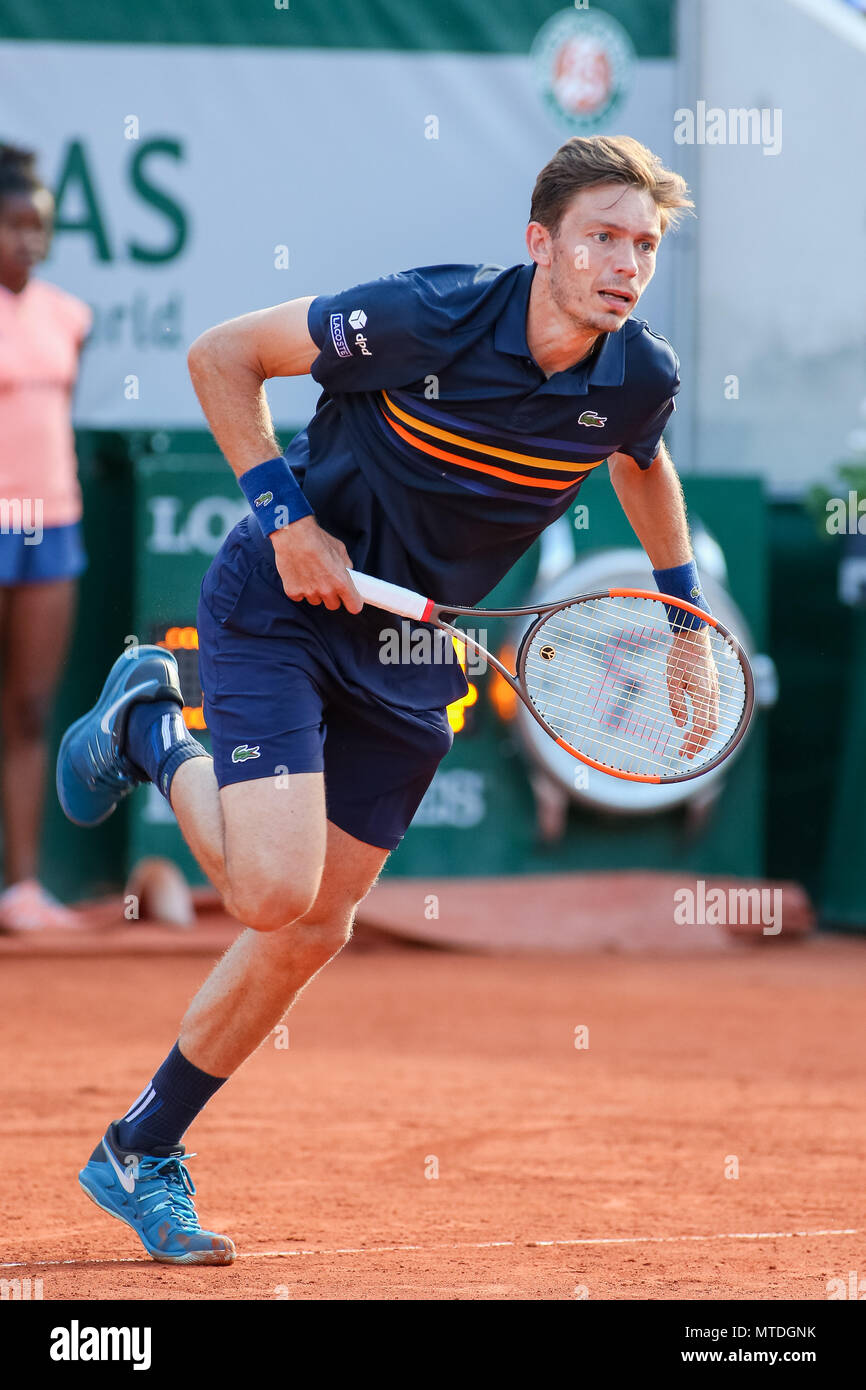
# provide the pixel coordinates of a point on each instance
(474, 466)
(530, 460)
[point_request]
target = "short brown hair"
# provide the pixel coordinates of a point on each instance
(586, 160)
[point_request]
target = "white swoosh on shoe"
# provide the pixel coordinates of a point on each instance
(126, 1175)
(122, 700)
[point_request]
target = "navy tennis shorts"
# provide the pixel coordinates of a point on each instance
(58, 554)
(293, 687)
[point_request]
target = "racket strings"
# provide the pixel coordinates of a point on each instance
(598, 673)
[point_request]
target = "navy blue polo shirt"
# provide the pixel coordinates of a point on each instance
(439, 449)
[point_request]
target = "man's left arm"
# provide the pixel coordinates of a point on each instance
(652, 499)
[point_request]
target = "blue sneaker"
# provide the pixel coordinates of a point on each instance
(153, 1194)
(93, 772)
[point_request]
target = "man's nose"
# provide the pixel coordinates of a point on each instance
(626, 263)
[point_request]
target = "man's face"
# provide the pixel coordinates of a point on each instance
(603, 255)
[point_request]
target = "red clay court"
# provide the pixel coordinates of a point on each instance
(563, 1172)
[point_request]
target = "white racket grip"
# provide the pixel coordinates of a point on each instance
(405, 602)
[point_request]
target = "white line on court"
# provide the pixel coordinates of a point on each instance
(460, 1245)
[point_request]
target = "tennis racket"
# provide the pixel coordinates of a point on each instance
(610, 677)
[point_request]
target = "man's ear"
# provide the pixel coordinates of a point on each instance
(538, 241)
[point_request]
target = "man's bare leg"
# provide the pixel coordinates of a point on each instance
(267, 865)
(277, 838)
(195, 800)
(261, 975)
(280, 861)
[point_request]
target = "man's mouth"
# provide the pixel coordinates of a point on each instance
(617, 299)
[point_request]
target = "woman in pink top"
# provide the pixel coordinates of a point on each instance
(42, 329)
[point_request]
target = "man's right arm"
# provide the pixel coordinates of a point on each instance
(228, 366)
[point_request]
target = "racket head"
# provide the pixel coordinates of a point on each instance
(593, 672)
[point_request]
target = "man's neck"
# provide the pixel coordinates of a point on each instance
(552, 338)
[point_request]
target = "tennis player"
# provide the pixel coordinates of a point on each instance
(462, 408)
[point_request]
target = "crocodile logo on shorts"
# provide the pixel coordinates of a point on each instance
(589, 417)
(263, 499)
(243, 751)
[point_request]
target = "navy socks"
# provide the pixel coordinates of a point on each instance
(168, 1105)
(157, 741)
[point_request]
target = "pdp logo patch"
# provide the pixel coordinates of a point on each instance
(338, 336)
(357, 321)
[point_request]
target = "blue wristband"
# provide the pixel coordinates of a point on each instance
(681, 581)
(274, 494)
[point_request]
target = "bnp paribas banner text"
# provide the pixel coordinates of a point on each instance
(213, 158)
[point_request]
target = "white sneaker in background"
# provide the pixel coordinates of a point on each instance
(27, 906)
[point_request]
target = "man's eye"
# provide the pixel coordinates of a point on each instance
(647, 246)
(603, 236)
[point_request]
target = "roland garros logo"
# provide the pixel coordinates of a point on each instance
(582, 64)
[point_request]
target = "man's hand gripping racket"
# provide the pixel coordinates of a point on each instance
(614, 676)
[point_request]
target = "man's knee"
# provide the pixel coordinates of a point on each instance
(331, 935)
(315, 937)
(268, 905)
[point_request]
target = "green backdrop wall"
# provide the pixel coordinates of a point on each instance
(792, 825)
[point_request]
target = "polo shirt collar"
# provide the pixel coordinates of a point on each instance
(608, 367)
(510, 332)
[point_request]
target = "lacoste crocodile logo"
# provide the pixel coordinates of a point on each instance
(243, 751)
(263, 499)
(589, 417)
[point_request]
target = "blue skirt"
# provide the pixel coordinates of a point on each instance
(58, 554)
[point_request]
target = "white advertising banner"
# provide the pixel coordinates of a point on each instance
(196, 183)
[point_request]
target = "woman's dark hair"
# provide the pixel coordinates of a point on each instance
(18, 172)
